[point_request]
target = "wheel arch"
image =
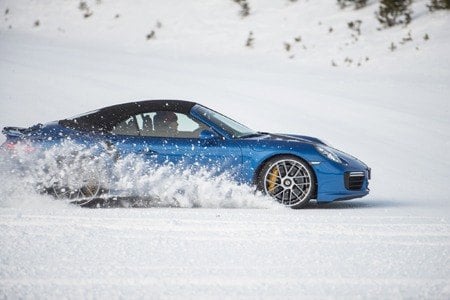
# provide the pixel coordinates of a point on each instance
(257, 172)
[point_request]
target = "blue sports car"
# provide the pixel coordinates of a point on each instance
(291, 168)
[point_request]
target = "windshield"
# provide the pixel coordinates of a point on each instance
(235, 129)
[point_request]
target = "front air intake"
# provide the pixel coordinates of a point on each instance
(354, 180)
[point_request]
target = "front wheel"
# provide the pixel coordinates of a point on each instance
(288, 179)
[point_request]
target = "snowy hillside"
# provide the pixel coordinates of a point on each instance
(381, 95)
(310, 33)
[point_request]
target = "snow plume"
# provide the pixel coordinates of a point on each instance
(28, 175)
(173, 185)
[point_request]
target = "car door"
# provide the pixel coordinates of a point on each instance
(187, 148)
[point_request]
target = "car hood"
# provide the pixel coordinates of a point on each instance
(266, 141)
(264, 136)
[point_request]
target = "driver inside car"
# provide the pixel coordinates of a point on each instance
(166, 123)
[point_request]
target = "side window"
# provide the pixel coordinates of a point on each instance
(177, 125)
(160, 124)
(126, 127)
(186, 124)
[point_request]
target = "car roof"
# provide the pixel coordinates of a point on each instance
(180, 106)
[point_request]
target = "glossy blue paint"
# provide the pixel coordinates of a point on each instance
(216, 148)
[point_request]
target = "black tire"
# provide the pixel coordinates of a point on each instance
(288, 179)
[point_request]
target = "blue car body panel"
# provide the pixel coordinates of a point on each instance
(242, 158)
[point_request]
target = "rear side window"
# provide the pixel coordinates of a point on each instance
(141, 124)
(127, 127)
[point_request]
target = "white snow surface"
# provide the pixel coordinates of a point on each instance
(388, 108)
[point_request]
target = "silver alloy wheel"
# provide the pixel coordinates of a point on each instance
(87, 191)
(89, 188)
(289, 181)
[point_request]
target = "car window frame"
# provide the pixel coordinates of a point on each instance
(139, 135)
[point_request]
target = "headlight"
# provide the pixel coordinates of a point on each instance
(328, 153)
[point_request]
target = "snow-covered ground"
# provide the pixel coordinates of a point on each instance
(392, 111)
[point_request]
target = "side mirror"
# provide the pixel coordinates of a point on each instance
(207, 137)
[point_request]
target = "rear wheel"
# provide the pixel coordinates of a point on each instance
(90, 190)
(288, 179)
(79, 178)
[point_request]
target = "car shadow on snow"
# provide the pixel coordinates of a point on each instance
(155, 202)
(357, 204)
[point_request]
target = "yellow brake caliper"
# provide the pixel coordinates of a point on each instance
(272, 178)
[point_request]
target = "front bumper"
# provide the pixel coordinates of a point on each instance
(341, 182)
